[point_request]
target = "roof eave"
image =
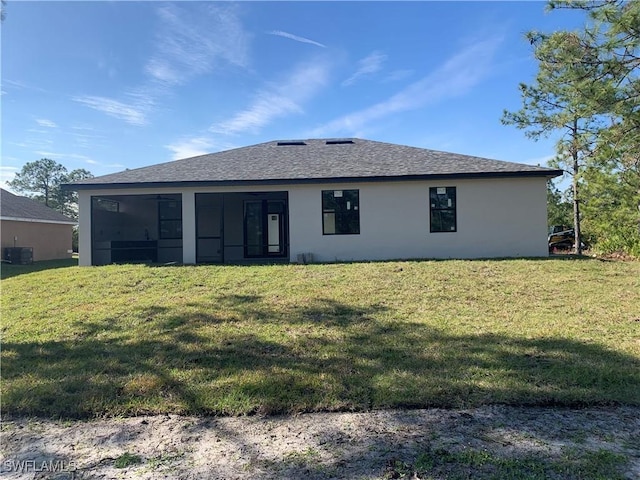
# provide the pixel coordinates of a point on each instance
(38, 220)
(305, 181)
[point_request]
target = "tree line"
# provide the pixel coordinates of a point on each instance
(41, 180)
(587, 92)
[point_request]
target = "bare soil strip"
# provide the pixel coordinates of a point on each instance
(485, 442)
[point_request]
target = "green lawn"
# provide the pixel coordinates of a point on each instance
(133, 339)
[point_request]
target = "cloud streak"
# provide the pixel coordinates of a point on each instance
(291, 36)
(132, 114)
(43, 122)
(7, 174)
(455, 77)
(197, 145)
(369, 65)
(191, 43)
(284, 98)
(76, 156)
(188, 43)
(190, 147)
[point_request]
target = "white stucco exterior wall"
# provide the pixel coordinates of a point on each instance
(188, 227)
(495, 218)
(84, 228)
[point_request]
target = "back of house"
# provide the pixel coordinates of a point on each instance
(315, 200)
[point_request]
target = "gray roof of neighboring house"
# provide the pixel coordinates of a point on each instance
(14, 207)
(314, 161)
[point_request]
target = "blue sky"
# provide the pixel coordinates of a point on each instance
(112, 85)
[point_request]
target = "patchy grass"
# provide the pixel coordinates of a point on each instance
(126, 460)
(137, 339)
(482, 464)
(8, 270)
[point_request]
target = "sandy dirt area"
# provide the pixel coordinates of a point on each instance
(412, 444)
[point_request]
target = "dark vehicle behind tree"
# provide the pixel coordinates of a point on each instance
(561, 237)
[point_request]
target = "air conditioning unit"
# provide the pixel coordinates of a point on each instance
(19, 255)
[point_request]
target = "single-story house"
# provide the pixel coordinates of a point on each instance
(315, 200)
(30, 224)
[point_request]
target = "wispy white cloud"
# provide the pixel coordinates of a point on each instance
(51, 154)
(398, 75)
(18, 85)
(43, 122)
(291, 36)
(284, 98)
(6, 175)
(71, 156)
(96, 163)
(106, 65)
(192, 42)
(48, 154)
(14, 83)
(86, 140)
(130, 113)
(193, 146)
(368, 65)
(456, 77)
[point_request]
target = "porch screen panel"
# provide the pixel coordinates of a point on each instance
(254, 230)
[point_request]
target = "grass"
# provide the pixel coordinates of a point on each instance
(472, 463)
(126, 460)
(228, 340)
(8, 270)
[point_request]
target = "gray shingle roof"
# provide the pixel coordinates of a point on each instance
(23, 208)
(316, 161)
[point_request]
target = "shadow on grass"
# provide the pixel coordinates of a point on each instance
(8, 270)
(325, 355)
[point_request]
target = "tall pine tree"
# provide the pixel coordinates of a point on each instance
(613, 38)
(553, 105)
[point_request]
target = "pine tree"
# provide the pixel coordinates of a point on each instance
(42, 180)
(613, 38)
(554, 105)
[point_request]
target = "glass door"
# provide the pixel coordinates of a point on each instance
(264, 228)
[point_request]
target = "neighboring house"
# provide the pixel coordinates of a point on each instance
(321, 200)
(28, 223)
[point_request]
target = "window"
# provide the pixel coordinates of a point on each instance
(340, 212)
(170, 219)
(442, 201)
